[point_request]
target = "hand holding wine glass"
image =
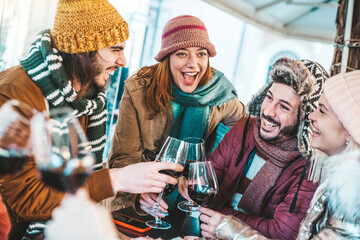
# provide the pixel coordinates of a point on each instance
(174, 151)
(62, 152)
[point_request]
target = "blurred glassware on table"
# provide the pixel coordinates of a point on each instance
(62, 152)
(196, 153)
(15, 132)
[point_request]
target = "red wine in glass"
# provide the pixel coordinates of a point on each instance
(196, 152)
(202, 182)
(173, 150)
(169, 188)
(186, 168)
(12, 165)
(62, 152)
(64, 178)
(201, 194)
(15, 136)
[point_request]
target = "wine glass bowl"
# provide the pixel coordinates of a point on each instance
(195, 153)
(62, 152)
(202, 182)
(169, 188)
(15, 132)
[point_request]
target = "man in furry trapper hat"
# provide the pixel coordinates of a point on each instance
(262, 161)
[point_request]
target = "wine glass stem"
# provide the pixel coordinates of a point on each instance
(159, 199)
(157, 207)
(158, 220)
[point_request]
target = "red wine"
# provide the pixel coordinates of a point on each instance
(66, 178)
(201, 194)
(172, 173)
(186, 168)
(169, 187)
(62, 182)
(12, 165)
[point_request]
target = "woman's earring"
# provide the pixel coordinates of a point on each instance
(347, 142)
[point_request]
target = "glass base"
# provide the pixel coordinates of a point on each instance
(188, 206)
(154, 211)
(158, 224)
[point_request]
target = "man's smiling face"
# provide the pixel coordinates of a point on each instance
(279, 113)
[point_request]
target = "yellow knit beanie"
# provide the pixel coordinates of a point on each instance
(87, 25)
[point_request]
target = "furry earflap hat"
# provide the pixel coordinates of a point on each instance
(307, 79)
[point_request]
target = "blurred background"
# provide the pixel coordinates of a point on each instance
(249, 35)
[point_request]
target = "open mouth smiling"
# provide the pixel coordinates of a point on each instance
(189, 77)
(110, 70)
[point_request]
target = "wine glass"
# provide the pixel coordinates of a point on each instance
(15, 133)
(62, 152)
(174, 151)
(196, 152)
(202, 182)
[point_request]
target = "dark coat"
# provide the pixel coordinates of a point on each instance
(275, 221)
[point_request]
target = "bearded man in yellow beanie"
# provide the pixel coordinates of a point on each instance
(69, 66)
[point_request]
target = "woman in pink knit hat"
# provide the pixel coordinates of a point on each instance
(181, 96)
(334, 210)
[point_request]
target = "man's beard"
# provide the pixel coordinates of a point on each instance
(287, 131)
(96, 70)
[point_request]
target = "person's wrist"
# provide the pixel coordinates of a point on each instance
(115, 182)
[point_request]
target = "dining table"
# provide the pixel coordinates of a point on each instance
(182, 224)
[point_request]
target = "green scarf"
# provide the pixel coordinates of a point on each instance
(43, 64)
(192, 110)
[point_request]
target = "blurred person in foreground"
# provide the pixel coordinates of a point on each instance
(181, 96)
(261, 163)
(69, 66)
(333, 212)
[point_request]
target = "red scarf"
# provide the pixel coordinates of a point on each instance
(279, 156)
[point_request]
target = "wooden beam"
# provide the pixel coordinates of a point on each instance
(270, 4)
(340, 41)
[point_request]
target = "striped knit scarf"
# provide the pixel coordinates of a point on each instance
(43, 64)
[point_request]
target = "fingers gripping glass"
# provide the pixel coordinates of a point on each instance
(202, 182)
(174, 151)
(196, 153)
(62, 152)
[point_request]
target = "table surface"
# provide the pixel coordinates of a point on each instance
(182, 225)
